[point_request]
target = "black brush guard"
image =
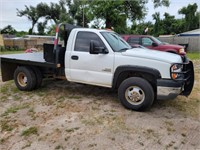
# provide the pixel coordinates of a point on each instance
(187, 77)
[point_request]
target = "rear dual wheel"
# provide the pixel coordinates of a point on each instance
(39, 77)
(27, 78)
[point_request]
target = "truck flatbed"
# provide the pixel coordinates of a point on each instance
(35, 59)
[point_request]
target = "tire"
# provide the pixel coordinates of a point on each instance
(24, 78)
(136, 93)
(38, 76)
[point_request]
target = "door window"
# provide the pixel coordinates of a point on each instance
(83, 41)
(134, 40)
(146, 42)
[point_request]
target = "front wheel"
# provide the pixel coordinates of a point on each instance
(136, 93)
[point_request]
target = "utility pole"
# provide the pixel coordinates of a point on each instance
(83, 16)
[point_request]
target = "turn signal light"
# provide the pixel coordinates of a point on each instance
(174, 75)
(175, 69)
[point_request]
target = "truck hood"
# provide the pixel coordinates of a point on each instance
(153, 55)
(171, 46)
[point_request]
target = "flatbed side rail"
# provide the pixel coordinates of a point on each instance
(9, 65)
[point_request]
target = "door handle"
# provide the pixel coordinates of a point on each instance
(74, 57)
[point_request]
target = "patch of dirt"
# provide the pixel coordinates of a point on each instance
(75, 116)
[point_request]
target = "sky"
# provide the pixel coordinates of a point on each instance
(8, 12)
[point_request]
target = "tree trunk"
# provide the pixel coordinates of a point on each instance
(108, 22)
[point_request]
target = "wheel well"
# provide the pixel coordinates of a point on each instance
(147, 76)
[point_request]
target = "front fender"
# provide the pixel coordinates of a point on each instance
(134, 69)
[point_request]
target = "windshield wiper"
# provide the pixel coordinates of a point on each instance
(123, 49)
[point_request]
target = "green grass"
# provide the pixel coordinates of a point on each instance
(59, 147)
(72, 129)
(14, 109)
(193, 56)
(4, 89)
(6, 125)
(29, 131)
(3, 52)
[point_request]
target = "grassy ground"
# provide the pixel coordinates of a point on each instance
(11, 52)
(193, 56)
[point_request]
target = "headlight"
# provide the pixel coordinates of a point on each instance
(181, 50)
(175, 71)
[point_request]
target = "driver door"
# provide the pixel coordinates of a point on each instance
(96, 69)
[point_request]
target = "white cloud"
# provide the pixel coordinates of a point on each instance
(175, 5)
(8, 13)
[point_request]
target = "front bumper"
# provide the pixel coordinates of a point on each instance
(170, 89)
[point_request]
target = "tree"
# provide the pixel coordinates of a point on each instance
(78, 11)
(191, 16)
(158, 3)
(139, 28)
(41, 27)
(116, 13)
(43, 10)
(168, 24)
(32, 15)
(158, 29)
(8, 30)
(57, 12)
(21, 33)
(178, 26)
(117, 10)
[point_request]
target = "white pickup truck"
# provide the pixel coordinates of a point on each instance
(103, 58)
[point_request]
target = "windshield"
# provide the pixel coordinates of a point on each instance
(115, 41)
(157, 41)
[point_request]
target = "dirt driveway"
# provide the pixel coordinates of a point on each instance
(63, 115)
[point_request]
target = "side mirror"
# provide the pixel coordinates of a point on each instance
(95, 48)
(154, 44)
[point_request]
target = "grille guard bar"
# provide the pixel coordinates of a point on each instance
(188, 77)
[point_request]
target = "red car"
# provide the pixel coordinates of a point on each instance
(153, 43)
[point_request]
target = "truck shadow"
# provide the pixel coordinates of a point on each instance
(63, 87)
(84, 90)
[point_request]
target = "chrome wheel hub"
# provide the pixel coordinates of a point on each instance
(134, 95)
(22, 79)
